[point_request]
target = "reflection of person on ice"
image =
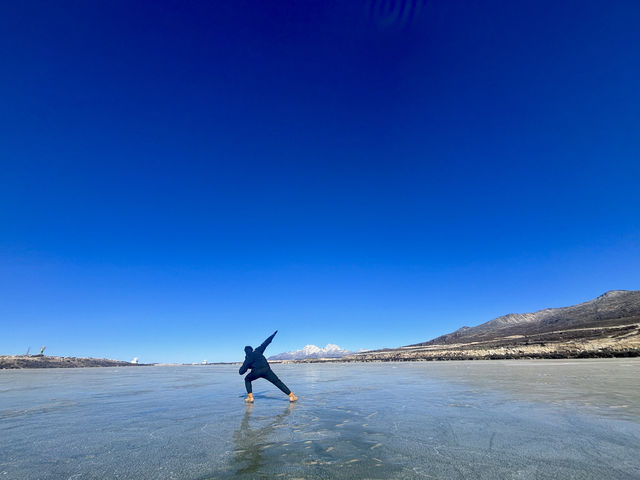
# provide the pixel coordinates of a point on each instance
(257, 363)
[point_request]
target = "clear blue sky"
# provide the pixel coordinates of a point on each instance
(179, 179)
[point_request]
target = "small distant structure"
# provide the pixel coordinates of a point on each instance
(135, 360)
(204, 362)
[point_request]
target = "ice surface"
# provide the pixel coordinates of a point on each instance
(448, 420)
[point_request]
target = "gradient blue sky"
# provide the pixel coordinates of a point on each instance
(179, 179)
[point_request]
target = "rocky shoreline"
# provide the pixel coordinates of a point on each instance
(45, 361)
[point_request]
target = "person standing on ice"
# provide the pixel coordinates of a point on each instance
(255, 361)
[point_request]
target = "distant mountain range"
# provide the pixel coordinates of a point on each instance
(614, 308)
(608, 326)
(311, 351)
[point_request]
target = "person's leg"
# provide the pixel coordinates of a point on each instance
(247, 381)
(247, 384)
(273, 378)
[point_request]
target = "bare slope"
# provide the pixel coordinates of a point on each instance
(614, 308)
(606, 326)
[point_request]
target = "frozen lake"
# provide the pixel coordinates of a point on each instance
(450, 420)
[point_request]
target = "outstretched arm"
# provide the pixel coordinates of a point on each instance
(264, 345)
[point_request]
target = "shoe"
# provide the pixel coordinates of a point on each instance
(249, 398)
(292, 397)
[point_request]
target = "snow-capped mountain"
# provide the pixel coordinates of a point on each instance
(311, 351)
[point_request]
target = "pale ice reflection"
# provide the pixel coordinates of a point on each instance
(449, 420)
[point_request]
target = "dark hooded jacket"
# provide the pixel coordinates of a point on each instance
(254, 359)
